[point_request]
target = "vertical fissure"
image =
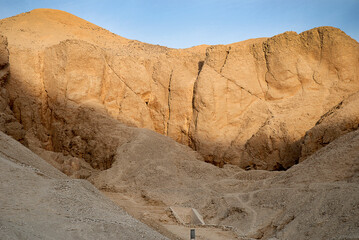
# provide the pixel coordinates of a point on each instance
(266, 51)
(194, 116)
(225, 60)
(169, 103)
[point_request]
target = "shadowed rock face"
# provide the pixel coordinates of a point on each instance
(8, 122)
(248, 103)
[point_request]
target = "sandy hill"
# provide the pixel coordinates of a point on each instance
(140, 122)
(45, 27)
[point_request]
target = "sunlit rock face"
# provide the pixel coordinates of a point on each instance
(248, 103)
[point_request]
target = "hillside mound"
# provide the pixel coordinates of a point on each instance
(45, 27)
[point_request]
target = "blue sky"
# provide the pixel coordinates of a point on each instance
(186, 23)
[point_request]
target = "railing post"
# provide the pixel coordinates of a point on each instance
(193, 234)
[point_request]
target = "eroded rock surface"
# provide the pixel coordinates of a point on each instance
(8, 122)
(254, 100)
(341, 119)
(248, 103)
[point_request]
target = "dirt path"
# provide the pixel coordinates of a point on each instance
(159, 218)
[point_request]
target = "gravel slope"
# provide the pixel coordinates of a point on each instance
(39, 202)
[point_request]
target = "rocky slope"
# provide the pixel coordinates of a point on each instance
(39, 202)
(276, 89)
(75, 94)
(315, 199)
(341, 119)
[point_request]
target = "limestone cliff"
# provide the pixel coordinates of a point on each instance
(255, 100)
(248, 103)
(8, 122)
